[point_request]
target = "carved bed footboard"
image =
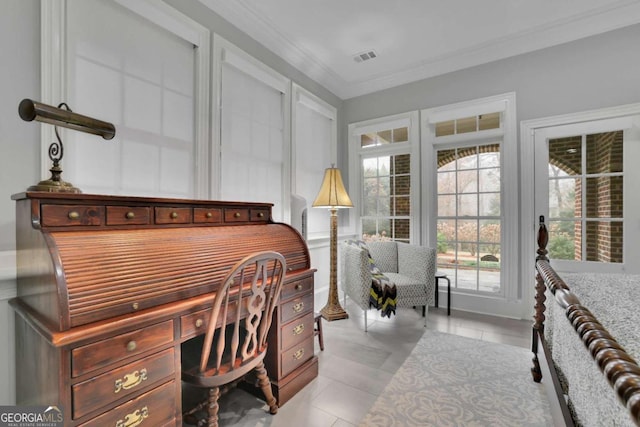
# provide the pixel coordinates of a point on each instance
(617, 366)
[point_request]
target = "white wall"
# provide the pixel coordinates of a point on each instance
(19, 155)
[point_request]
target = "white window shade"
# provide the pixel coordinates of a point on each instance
(252, 140)
(314, 104)
(140, 76)
(313, 137)
(254, 70)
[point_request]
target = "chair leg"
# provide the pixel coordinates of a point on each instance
(212, 407)
(318, 330)
(265, 385)
(425, 309)
(365, 320)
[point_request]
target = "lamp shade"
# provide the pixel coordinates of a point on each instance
(332, 193)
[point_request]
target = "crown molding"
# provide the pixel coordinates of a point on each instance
(597, 21)
(261, 30)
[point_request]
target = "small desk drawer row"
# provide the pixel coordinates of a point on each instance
(54, 215)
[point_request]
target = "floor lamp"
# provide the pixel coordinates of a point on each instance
(333, 196)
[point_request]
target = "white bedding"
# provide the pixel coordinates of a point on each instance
(613, 299)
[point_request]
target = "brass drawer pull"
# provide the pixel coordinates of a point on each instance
(131, 345)
(130, 215)
(298, 286)
(298, 354)
(236, 215)
(135, 305)
(298, 307)
(174, 215)
(134, 419)
(199, 323)
(260, 214)
(73, 215)
(209, 215)
(130, 380)
(297, 330)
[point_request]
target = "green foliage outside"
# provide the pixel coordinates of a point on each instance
(442, 243)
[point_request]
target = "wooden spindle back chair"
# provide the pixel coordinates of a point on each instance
(235, 341)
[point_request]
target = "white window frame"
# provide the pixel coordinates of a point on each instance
(301, 96)
(226, 52)
(510, 303)
(54, 72)
(412, 147)
(528, 129)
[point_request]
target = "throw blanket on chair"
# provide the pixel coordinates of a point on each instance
(383, 293)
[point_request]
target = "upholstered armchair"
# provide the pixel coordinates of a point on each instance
(410, 267)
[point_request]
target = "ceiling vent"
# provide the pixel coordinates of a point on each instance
(365, 56)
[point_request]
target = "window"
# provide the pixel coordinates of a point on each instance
(586, 197)
(469, 216)
(314, 146)
(468, 124)
(470, 201)
(579, 173)
(584, 177)
(151, 81)
(386, 151)
(386, 201)
(254, 130)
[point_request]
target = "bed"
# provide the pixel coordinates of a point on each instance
(586, 341)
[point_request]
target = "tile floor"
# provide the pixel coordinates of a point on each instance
(356, 366)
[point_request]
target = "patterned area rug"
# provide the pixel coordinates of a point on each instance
(449, 380)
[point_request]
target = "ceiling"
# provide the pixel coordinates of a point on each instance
(413, 39)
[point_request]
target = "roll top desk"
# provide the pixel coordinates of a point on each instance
(109, 287)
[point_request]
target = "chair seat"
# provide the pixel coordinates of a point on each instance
(410, 291)
(225, 374)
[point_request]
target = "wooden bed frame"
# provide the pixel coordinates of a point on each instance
(620, 369)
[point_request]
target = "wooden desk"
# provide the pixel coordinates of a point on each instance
(109, 287)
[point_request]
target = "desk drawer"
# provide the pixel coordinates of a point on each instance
(259, 214)
(167, 215)
(125, 215)
(97, 355)
(297, 331)
(296, 356)
(299, 287)
(154, 408)
(236, 215)
(296, 307)
(194, 324)
(121, 382)
(206, 215)
(70, 215)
